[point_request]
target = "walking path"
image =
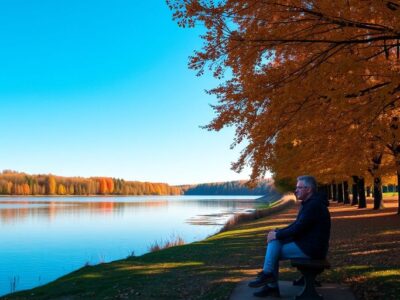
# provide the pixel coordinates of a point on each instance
(329, 291)
(352, 229)
(358, 257)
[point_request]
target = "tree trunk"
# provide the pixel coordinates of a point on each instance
(362, 201)
(398, 191)
(394, 147)
(334, 192)
(354, 200)
(323, 192)
(329, 192)
(340, 192)
(376, 163)
(377, 192)
(346, 198)
(368, 191)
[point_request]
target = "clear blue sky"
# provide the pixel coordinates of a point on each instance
(102, 88)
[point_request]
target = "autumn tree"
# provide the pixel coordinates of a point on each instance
(103, 186)
(290, 61)
(110, 185)
(61, 189)
(71, 189)
(51, 185)
(26, 189)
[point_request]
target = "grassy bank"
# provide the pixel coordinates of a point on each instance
(363, 253)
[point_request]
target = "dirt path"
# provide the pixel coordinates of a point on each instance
(364, 249)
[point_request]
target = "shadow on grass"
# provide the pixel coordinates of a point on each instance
(363, 250)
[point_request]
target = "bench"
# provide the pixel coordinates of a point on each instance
(309, 268)
(300, 282)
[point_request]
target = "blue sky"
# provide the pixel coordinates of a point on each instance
(102, 88)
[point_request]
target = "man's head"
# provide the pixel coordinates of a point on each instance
(305, 187)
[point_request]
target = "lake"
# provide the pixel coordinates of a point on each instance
(43, 238)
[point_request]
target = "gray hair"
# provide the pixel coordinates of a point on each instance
(309, 181)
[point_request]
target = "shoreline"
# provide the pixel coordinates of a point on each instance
(162, 257)
(272, 202)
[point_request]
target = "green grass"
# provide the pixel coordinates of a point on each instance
(368, 282)
(202, 270)
(265, 205)
(390, 194)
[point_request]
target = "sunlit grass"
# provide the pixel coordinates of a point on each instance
(389, 194)
(91, 276)
(162, 266)
(172, 242)
(369, 252)
(391, 232)
(269, 209)
(384, 273)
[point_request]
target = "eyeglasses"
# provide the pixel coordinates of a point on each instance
(301, 187)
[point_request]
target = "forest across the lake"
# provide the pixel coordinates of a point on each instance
(23, 184)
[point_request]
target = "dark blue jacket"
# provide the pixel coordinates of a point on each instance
(311, 230)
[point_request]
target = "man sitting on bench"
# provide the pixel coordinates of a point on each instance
(306, 237)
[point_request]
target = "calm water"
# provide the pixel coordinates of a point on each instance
(43, 238)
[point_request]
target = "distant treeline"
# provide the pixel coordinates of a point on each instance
(15, 183)
(265, 187)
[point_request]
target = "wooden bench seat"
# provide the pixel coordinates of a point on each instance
(309, 268)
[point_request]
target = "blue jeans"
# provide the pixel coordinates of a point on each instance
(277, 251)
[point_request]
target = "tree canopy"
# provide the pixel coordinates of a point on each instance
(313, 83)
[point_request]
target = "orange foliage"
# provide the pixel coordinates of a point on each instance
(103, 186)
(51, 185)
(14, 183)
(110, 185)
(25, 189)
(313, 86)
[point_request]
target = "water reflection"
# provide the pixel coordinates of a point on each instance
(18, 209)
(46, 237)
(12, 211)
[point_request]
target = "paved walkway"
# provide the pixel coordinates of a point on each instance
(288, 291)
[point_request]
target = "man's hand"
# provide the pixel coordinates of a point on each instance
(271, 236)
